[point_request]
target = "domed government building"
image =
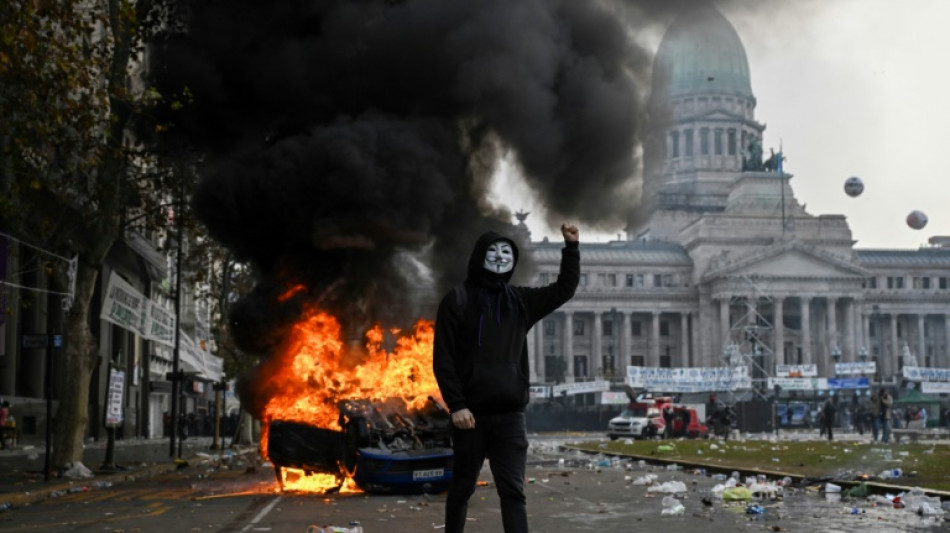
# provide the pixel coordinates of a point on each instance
(725, 268)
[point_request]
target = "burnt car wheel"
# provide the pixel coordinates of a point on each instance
(356, 435)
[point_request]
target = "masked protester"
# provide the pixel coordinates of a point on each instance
(480, 360)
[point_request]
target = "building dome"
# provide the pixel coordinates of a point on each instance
(701, 53)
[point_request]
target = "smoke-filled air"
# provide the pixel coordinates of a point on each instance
(347, 147)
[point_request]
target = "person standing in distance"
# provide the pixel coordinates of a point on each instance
(480, 361)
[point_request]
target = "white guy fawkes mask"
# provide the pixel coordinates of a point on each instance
(499, 258)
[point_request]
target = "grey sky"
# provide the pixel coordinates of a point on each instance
(849, 88)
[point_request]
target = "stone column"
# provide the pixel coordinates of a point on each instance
(569, 346)
(921, 341)
(866, 332)
(654, 358)
(778, 316)
(537, 369)
(724, 325)
(623, 358)
(683, 358)
(891, 358)
(596, 364)
(946, 342)
(806, 330)
(696, 337)
(704, 330)
(833, 340)
(851, 325)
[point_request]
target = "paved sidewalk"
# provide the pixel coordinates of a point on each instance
(21, 467)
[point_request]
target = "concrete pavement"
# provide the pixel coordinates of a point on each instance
(21, 467)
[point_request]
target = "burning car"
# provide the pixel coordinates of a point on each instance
(380, 448)
(331, 423)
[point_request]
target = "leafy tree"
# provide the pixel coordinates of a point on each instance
(71, 174)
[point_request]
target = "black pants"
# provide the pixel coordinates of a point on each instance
(503, 440)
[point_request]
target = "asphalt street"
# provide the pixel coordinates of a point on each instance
(567, 490)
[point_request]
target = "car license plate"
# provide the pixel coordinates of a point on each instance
(428, 474)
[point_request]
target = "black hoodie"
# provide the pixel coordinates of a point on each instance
(480, 353)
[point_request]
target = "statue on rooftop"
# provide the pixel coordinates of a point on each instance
(753, 162)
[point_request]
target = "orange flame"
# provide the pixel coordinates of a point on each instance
(313, 370)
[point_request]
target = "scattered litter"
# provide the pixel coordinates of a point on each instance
(736, 494)
(78, 471)
(670, 487)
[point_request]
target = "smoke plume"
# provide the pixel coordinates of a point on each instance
(347, 145)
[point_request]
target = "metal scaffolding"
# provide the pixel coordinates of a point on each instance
(751, 334)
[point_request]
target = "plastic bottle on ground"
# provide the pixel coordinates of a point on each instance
(335, 529)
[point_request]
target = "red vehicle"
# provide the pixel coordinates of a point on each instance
(686, 423)
(643, 418)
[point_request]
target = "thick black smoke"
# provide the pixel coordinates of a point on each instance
(345, 142)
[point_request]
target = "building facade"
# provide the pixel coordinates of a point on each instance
(724, 261)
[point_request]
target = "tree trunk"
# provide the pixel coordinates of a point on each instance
(79, 360)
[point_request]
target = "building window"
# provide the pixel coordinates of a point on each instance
(578, 327)
(640, 281)
(921, 282)
(666, 360)
(732, 142)
(611, 280)
(637, 360)
(635, 328)
(688, 135)
(871, 283)
(895, 282)
(943, 282)
(657, 280)
(549, 327)
(580, 366)
(608, 328)
(675, 137)
(583, 281)
(872, 330)
(664, 328)
(629, 280)
(717, 143)
(704, 141)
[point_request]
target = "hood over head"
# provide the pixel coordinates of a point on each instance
(476, 269)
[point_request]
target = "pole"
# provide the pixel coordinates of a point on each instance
(176, 360)
(48, 386)
(217, 417)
